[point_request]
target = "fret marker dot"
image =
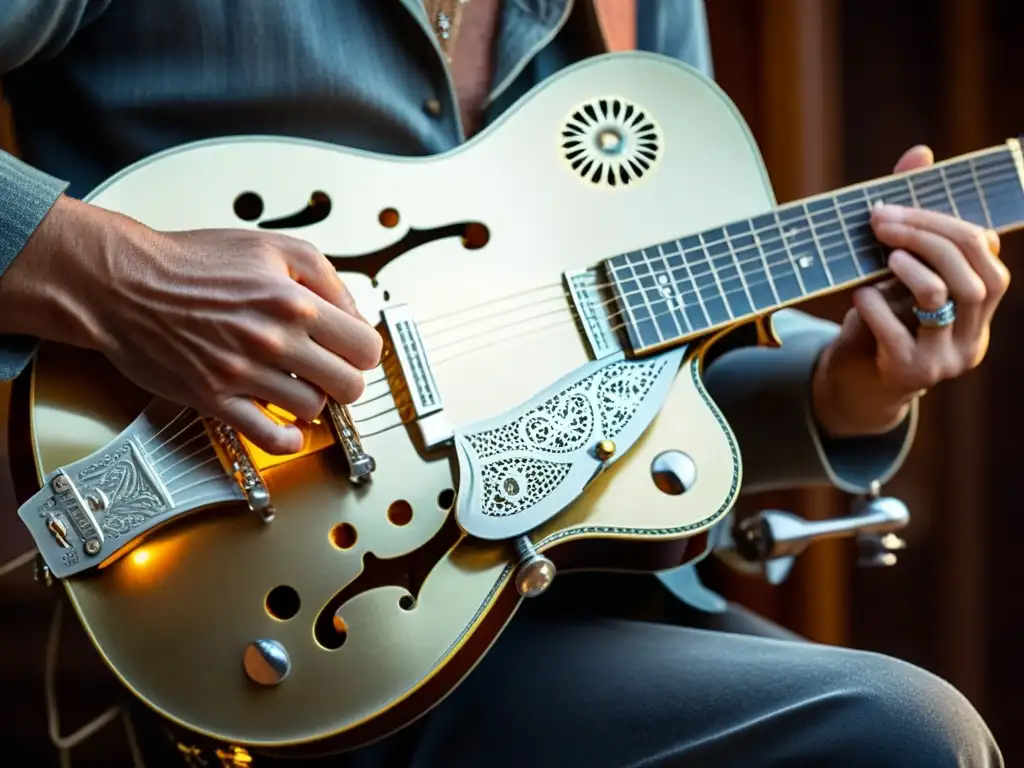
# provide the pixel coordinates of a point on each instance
(663, 279)
(805, 261)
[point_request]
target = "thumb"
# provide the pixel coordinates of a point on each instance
(919, 156)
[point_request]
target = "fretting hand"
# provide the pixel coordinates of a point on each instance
(214, 319)
(901, 337)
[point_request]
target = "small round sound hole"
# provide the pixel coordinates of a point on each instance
(446, 498)
(343, 536)
(248, 206)
(400, 512)
(388, 218)
(283, 602)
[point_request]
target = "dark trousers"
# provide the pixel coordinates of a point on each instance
(574, 682)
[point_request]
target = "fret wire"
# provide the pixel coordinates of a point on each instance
(728, 239)
(789, 254)
(949, 192)
(739, 266)
(814, 237)
(693, 281)
(714, 271)
(675, 293)
(846, 234)
(981, 191)
(625, 302)
(995, 165)
(645, 297)
(756, 312)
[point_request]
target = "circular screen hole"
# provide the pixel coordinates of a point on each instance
(400, 512)
(283, 602)
(343, 536)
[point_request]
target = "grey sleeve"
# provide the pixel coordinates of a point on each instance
(29, 30)
(764, 393)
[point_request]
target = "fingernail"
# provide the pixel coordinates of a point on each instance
(887, 211)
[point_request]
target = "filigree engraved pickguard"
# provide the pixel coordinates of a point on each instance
(523, 467)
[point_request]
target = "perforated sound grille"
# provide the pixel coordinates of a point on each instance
(611, 142)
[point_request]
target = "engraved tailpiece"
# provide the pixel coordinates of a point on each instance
(522, 468)
(162, 466)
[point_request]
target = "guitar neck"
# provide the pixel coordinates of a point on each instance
(674, 291)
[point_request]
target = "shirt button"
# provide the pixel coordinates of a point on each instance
(432, 107)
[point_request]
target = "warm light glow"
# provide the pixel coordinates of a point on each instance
(140, 557)
(316, 436)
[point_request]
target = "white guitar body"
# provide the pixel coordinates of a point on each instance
(173, 616)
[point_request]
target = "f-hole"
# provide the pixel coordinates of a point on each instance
(472, 234)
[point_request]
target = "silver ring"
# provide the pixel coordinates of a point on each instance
(936, 318)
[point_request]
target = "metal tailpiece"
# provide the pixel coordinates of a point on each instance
(166, 463)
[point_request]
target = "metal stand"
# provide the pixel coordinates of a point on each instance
(767, 544)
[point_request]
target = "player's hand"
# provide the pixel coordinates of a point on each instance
(884, 356)
(213, 319)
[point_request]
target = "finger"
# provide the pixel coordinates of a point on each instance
(353, 340)
(259, 427)
(309, 267)
(941, 254)
(915, 157)
(930, 293)
(326, 370)
(286, 391)
(892, 337)
(980, 246)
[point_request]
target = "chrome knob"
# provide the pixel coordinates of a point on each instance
(674, 472)
(535, 572)
(266, 662)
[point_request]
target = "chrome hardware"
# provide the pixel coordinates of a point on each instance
(266, 662)
(770, 541)
(535, 571)
(244, 470)
(78, 512)
(583, 288)
(164, 464)
(361, 465)
(674, 472)
(424, 395)
(521, 468)
(610, 141)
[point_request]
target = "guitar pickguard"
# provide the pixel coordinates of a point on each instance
(522, 468)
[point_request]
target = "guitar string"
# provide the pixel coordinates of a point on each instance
(963, 180)
(946, 184)
(64, 743)
(762, 259)
(924, 195)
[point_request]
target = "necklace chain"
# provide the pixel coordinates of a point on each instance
(444, 17)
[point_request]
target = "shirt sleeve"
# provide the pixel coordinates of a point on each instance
(30, 30)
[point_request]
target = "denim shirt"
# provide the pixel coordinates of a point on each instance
(96, 85)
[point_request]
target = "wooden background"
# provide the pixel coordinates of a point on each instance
(834, 90)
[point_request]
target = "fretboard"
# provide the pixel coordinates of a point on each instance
(673, 291)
